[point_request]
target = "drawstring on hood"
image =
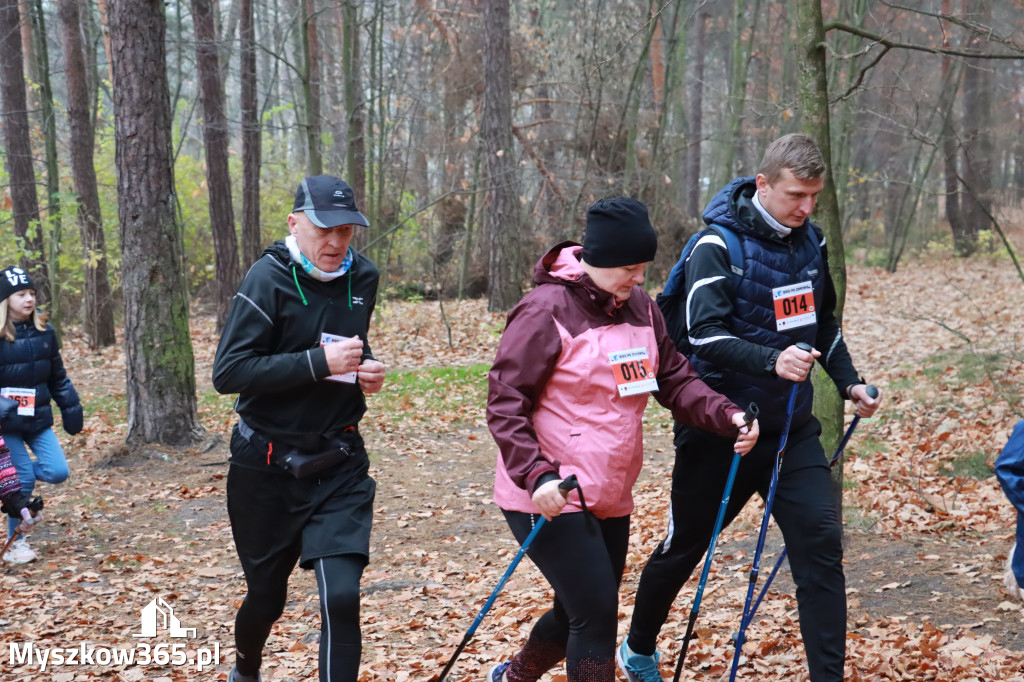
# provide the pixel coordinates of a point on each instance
(295, 276)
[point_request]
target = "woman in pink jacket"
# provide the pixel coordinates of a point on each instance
(577, 361)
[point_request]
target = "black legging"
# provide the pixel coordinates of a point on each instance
(582, 557)
(337, 579)
(806, 513)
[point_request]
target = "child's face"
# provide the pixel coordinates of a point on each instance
(21, 304)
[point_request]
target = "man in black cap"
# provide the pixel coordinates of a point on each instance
(295, 350)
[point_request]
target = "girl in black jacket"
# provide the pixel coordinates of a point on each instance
(31, 373)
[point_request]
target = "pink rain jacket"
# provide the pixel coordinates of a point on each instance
(554, 405)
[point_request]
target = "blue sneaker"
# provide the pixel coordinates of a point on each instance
(637, 667)
(498, 672)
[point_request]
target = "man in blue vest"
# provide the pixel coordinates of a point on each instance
(741, 334)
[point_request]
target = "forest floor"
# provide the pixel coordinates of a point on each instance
(927, 528)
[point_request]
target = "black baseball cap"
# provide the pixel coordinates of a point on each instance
(328, 201)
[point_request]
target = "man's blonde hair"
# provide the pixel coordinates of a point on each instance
(798, 153)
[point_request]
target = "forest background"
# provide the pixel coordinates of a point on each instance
(151, 150)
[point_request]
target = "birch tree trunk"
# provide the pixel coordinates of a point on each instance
(159, 364)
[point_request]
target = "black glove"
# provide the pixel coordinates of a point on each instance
(28, 513)
(72, 419)
(13, 505)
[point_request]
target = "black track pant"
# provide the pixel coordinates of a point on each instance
(324, 523)
(582, 557)
(804, 509)
(340, 640)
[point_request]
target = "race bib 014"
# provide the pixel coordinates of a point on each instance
(794, 306)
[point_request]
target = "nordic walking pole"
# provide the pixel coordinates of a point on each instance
(566, 486)
(749, 416)
(7, 546)
(756, 567)
(872, 392)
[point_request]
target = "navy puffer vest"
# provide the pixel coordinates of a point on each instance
(770, 265)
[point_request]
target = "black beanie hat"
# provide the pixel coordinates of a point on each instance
(619, 233)
(14, 279)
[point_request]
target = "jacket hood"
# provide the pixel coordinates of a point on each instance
(733, 207)
(561, 265)
(279, 251)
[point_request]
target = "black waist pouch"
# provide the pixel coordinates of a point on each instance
(303, 464)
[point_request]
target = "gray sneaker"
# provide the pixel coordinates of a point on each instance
(637, 667)
(236, 676)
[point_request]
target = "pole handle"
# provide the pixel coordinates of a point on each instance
(802, 345)
(871, 390)
(751, 414)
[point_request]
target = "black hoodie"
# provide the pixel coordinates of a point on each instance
(270, 352)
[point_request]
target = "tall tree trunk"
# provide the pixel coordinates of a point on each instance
(218, 176)
(17, 134)
(252, 244)
(978, 149)
(732, 142)
(101, 8)
(48, 123)
(90, 30)
(828, 407)
(355, 149)
(696, 123)
(504, 285)
(311, 88)
(950, 153)
(159, 364)
(98, 313)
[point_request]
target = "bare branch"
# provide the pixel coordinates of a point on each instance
(860, 74)
(980, 29)
(896, 44)
(995, 224)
